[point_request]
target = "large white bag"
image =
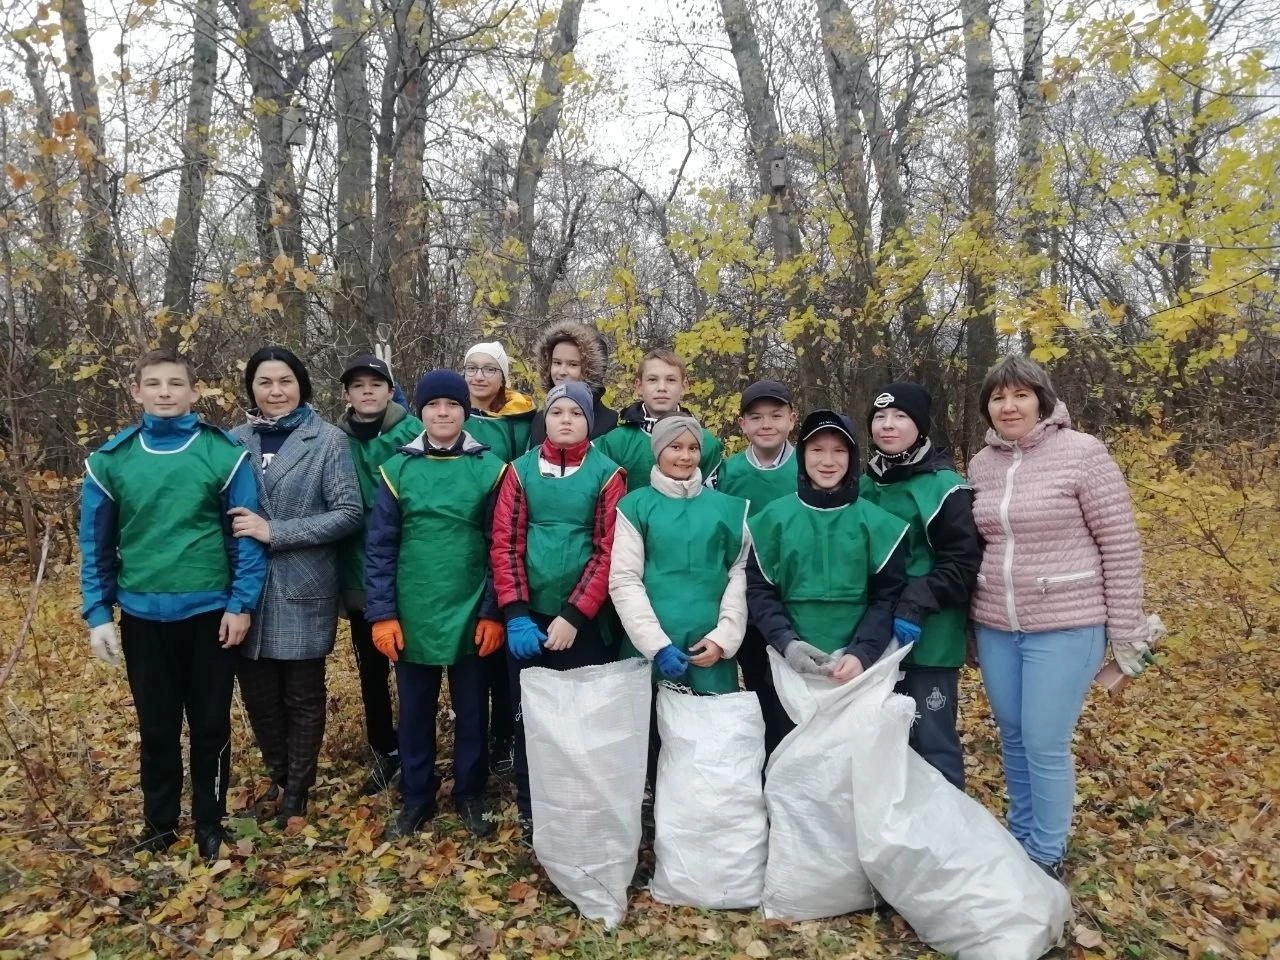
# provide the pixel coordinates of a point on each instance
(587, 736)
(939, 857)
(712, 833)
(813, 869)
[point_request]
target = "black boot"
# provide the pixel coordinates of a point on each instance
(384, 770)
(409, 821)
(471, 812)
(209, 839)
(155, 838)
(1056, 870)
(293, 805)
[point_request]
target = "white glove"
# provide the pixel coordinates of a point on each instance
(1132, 658)
(1133, 654)
(806, 658)
(105, 643)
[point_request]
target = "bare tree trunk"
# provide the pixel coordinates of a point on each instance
(50, 308)
(762, 123)
(408, 225)
(980, 329)
(1030, 127)
(278, 203)
(542, 272)
(180, 272)
(765, 135)
(846, 67)
(99, 260)
(353, 245)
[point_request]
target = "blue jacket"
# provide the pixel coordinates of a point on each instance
(99, 533)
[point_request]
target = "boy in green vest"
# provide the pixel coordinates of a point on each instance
(662, 383)
(827, 567)
(155, 540)
(678, 577)
(430, 598)
(915, 481)
(765, 471)
(375, 427)
(553, 529)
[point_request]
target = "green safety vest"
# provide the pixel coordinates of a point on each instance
(820, 562)
(739, 477)
(169, 508)
(444, 557)
(507, 435)
(629, 447)
(917, 500)
(562, 515)
(369, 456)
(689, 547)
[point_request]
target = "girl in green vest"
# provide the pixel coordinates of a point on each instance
(915, 481)
(826, 568)
(430, 598)
(678, 578)
(553, 528)
(502, 418)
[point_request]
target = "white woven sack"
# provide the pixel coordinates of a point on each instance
(712, 834)
(587, 736)
(939, 857)
(813, 869)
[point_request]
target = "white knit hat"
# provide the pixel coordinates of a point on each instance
(495, 350)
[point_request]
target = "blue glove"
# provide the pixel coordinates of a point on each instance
(671, 662)
(904, 631)
(524, 639)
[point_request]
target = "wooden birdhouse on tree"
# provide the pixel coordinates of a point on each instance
(295, 125)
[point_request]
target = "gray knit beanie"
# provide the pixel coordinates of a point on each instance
(671, 426)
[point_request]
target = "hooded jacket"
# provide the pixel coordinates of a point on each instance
(1062, 546)
(878, 539)
(594, 360)
(926, 492)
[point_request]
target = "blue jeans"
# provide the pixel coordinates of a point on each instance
(1036, 683)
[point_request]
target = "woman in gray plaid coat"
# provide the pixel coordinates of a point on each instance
(310, 500)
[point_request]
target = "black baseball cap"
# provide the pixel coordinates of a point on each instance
(765, 390)
(367, 363)
(828, 420)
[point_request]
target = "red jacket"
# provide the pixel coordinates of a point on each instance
(510, 540)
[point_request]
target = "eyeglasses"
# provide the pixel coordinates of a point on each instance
(488, 370)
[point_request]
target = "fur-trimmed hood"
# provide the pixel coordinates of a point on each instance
(586, 338)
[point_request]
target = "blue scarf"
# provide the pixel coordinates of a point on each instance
(290, 421)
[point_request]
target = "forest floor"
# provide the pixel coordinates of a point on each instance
(1175, 852)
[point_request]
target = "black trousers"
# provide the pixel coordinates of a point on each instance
(933, 735)
(753, 658)
(175, 669)
(588, 650)
(419, 688)
(285, 700)
(501, 715)
(375, 688)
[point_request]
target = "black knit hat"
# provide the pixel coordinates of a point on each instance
(911, 398)
(442, 383)
(289, 359)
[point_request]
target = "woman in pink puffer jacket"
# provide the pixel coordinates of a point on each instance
(1061, 576)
